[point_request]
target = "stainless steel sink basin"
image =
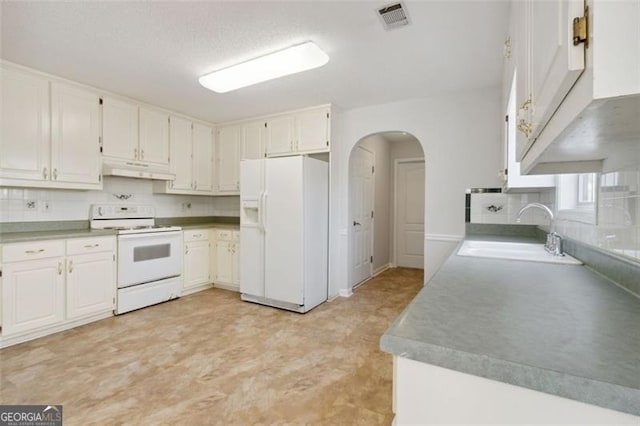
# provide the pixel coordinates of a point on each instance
(513, 251)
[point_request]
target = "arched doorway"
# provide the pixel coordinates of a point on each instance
(386, 205)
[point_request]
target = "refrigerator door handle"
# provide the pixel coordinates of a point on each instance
(260, 207)
(263, 212)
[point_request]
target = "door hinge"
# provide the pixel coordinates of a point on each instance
(114, 257)
(581, 28)
(327, 143)
(506, 118)
(169, 120)
(371, 259)
(327, 115)
(371, 214)
(100, 177)
(265, 124)
(373, 169)
(100, 101)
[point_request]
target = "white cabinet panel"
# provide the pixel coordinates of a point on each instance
(181, 157)
(91, 284)
(24, 133)
(203, 157)
(32, 295)
(228, 145)
(253, 135)
(196, 264)
(280, 135)
(75, 133)
(154, 137)
(312, 131)
(227, 248)
(119, 129)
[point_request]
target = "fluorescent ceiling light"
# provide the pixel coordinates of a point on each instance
(301, 57)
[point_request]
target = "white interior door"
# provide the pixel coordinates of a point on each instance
(409, 218)
(361, 208)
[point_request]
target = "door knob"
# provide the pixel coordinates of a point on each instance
(356, 223)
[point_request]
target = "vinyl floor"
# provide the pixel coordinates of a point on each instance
(209, 358)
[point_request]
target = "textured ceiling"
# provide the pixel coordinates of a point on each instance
(155, 51)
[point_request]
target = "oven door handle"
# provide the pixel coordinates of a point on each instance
(161, 234)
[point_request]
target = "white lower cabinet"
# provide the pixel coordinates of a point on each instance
(32, 295)
(197, 271)
(90, 284)
(227, 247)
(50, 286)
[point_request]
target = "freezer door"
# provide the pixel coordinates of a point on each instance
(283, 230)
(251, 179)
(251, 261)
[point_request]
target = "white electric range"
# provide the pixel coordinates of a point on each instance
(149, 256)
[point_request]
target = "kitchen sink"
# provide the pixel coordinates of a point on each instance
(513, 251)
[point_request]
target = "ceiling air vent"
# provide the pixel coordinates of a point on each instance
(393, 15)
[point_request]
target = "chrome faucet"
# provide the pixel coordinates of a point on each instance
(554, 240)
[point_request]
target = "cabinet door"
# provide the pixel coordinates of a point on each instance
(312, 131)
(119, 129)
(224, 262)
(32, 295)
(203, 157)
(253, 141)
(228, 145)
(91, 284)
(521, 11)
(280, 136)
(24, 133)
(75, 135)
(555, 62)
(181, 158)
(196, 264)
(154, 137)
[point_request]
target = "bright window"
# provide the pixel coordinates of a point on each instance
(576, 197)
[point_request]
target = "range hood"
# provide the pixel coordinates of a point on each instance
(136, 170)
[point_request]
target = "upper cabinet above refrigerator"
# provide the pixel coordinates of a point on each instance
(578, 94)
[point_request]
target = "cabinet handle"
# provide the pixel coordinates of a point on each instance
(195, 184)
(34, 251)
(55, 174)
(70, 266)
(524, 127)
(135, 153)
(142, 154)
(526, 104)
(91, 245)
(45, 173)
(59, 268)
(186, 249)
(197, 235)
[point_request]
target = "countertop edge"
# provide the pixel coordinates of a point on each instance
(602, 394)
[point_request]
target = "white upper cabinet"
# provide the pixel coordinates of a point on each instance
(154, 136)
(228, 155)
(203, 157)
(578, 96)
(119, 128)
(312, 130)
(75, 135)
(301, 132)
(131, 132)
(280, 134)
(253, 140)
(181, 153)
(549, 63)
(24, 138)
(50, 133)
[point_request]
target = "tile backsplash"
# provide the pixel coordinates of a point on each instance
(618, 215)
(501, 208)
(29, 205)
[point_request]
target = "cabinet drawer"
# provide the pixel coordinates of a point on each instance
(196, 235)
(32, 250)
(90, 245)
(227, 235)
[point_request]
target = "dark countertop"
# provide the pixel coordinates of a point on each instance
(36, 231)
(559, 329)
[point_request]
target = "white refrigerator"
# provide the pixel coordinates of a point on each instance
(284, 217)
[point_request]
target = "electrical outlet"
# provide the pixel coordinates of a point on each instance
(30, 205)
